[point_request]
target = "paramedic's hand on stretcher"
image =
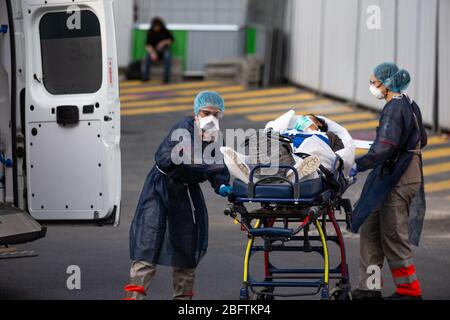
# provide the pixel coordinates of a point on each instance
(225, 190)
(353, 172)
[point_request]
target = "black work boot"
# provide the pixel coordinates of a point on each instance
(398, 296)
(359, 294)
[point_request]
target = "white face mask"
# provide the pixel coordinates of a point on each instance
(210, 127)
(376, 92)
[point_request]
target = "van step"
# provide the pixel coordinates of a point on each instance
(17, 226)
(13, 253)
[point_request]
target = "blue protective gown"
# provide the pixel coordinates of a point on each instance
(170, 226)
(389, 157)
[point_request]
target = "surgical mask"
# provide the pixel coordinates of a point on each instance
(210, 127)
(376, 92)
(303, 124)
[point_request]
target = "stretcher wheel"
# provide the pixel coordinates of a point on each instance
(340, 294)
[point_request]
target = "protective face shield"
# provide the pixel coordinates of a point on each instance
(376, 92)
(209, 126)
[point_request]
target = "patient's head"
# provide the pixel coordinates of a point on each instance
(320, 123)
(311, 123)
(304, 123)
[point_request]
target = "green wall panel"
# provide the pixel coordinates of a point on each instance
(250, 47)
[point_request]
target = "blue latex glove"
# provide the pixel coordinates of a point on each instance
(6, 162)
(353, 172)
(225, 190)
(3, 28)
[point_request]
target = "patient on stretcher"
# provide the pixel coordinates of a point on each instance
(314, 141)
(313, 124)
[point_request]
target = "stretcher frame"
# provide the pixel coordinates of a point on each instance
(307, 211)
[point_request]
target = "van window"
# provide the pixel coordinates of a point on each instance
(71, 54)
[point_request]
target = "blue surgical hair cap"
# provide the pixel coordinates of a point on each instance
(393, 78)
(208, 99)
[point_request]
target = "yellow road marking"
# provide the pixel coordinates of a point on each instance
(187, 93)
(153, 83)
(131, 83)
(220, 89)
(263, 101)
(361, 125)
(436, 154)
(338, 118)
(313, 105)
(260, 93)
(129, 98)
(185, 85)
(437, 186)
(437, 140)
(430, 170)
(323, 107)
(241, 95)
(361, 152)
(253, 102)
(352, 116)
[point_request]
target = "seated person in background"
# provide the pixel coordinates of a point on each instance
(159, 40)
(311, 123)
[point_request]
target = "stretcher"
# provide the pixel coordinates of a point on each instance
(286, 214)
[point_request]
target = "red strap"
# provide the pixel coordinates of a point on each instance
(305, 221)
(410, 289)
(404, 272)
(129, 299)
(134, 288)
(383, 140)
(189, 294)
(407, 289)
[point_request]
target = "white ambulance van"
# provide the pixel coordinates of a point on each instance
(59, 116)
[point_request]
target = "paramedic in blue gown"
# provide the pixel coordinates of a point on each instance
(170, 225)
(391, 209)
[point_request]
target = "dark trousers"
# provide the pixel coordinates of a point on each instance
(166, 57)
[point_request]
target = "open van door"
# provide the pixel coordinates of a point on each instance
(72, 111)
